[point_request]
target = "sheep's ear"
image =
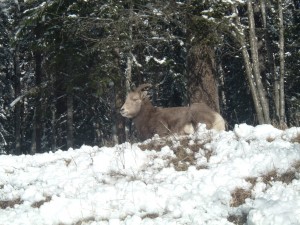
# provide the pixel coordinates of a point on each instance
(144, 94)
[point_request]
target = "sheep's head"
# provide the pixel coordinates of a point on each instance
(134, 100)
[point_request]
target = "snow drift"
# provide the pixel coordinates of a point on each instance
(248, 175)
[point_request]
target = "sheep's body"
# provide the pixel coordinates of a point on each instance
(201, 113)
(150, 120)
(161, 121)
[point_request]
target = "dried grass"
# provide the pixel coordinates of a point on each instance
(150, 216)
(286, 177)
(82, 222)
(238, 197)
(238, 219)
(10, 203)
(85, 221)
(155, 145)
(40, 203)
(296, 166)
(252, 181)
(183, 148)
(183, 159)
(67, 162)
(269, 176)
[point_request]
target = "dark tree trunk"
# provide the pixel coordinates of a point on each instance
(119, 99)
(270, 62)
(17, 87)
(120, 121)
(202, 83)
(37, 132)
(282, 116)
(70, 130)
(53, 113)
(37, 121)
(53, 126)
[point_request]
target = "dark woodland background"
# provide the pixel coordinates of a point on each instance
(66, 66)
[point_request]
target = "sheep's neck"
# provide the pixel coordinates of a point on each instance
(143, 118)
(146, 109)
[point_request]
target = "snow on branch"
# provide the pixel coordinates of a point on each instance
(19, 98)
(159, 61)
(31, 91)
(4, 143)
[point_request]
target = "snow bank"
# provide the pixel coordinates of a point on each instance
(125, 185)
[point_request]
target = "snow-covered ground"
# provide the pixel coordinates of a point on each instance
(249, 175)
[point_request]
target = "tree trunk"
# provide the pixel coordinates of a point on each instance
(255, 64)
(120, 121)
(201, 67)
(33, 138)
(37, 146)
(267, 39)
(270, 62)
(202, 84)
(38, 116)
(223, 98)
(129, 64)
(119, 126)
(17, 87)
(282, 118)
(129, 57)
(263, 13)
(70, 130)
(276, 95)
(240, 35)
(53, 127)
(256, 101)
(98, 140)
(53, 113)
(129, 72)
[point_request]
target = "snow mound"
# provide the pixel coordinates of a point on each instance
(250, 175)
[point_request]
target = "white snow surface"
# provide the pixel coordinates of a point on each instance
(125, 185)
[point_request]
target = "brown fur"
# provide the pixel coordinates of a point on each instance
(201, 113)
(150, 120)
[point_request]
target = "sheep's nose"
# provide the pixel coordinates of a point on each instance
(122, 111)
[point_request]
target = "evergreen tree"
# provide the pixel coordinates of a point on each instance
(65, 66)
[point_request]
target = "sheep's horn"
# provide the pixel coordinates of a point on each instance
(142, 86)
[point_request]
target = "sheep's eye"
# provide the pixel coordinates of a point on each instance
(135, 99)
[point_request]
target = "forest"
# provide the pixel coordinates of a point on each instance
(66, 65)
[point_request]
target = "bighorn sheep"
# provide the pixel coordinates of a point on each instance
(150, 120)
